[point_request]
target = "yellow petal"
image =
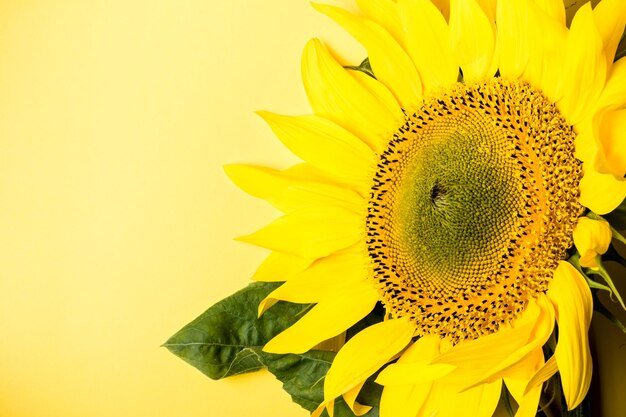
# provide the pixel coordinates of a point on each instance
(403, 400)
(544, 373)
(337, 96)
(592, 238)
(528, 402)
(588, 147)
(324, 145)
(414, 366)
(488, 351)
(280, 266)
(482, 400)
(516, 361)
(473, 39)
(385, 13)
(350, 399)
(554, 9)
(378, 90)
(327, 319)
(287, 192)
(389, 62)
(364, 354)
(302, 195)
(545, 60)
(339, 272)
(614, 94)
(573, 303)
(489, 7)
(310, 232)
(514, 42)
(610, 18)
(260, 182)
(585, 67)
(444, 7)
(525, 369)
(428, 43)
(601, 193)
(613, 142)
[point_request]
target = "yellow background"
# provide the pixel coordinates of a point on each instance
(116, 220)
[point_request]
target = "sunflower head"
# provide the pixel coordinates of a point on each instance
(447, 218)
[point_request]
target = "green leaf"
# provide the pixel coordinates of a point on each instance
(364, 67)
(227, 339)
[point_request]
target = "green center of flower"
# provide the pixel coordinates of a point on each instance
(472, 206)
(458, 197)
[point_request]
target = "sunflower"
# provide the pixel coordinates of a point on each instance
(458, 178)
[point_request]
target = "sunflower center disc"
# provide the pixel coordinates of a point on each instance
(472, 206)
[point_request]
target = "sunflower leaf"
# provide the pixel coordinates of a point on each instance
(227, 339)
(303, 378)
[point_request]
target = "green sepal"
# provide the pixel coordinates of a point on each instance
(364, 67)
(600, 271)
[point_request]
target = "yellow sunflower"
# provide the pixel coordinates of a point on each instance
(450, 184)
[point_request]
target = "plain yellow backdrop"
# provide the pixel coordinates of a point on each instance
(116, 220)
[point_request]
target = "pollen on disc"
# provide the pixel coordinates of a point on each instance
(472, 205)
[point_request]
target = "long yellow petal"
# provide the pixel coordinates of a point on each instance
(299, 196)
(378, 90)
(585, 67)
(350, 399)
(364, 354)
(544, 373)
(514, 41)
(545, 60)
(327, 319)
(324, 144)
(414, 366)
(428, 43)
(390, 63)
(574, 306)
(280, 266)
(516, 361)
(554, 9)
(528, 402)
(488, 351)
(614, 94)
(613, 142)
(473, 39)
(287, 192)
(482, 400)
(337, 273)
(592, 238)
(312, 232)
(610, 18)
(602, 193)
(386, 14)
(258, 181)
(403, 400)
(337, 96)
